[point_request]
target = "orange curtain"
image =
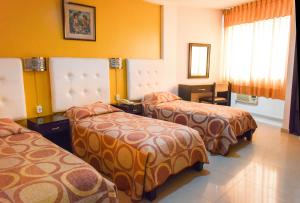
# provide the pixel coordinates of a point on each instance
(256, 41)
(256, 11)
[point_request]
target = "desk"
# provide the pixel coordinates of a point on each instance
(185, 91)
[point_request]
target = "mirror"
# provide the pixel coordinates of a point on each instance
(199, 58)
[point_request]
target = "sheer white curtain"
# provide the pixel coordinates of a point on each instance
(255, 56)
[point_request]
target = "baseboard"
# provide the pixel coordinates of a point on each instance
(285, 130)
(268, 120)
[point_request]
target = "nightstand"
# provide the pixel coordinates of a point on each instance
(55, 128)
(135, 108)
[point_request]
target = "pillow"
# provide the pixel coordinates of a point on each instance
(160, 97)
(9, 127)
(97, 108)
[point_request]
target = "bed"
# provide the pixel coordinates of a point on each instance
(33, 169)
(219, 126)
(138, 153)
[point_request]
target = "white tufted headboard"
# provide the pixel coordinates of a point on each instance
(78, 81)
(12, 95)
(145, 76)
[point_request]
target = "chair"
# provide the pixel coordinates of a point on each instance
(221, 97)
(209, 94)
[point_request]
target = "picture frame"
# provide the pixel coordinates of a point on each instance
(79, 22)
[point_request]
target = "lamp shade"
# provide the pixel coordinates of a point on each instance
(35, 64)
(115, 63)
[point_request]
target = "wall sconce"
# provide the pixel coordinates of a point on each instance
(35, 64)
(115, 63)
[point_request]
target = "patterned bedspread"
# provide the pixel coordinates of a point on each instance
(139, 153)
(219, 126)
(32, 169)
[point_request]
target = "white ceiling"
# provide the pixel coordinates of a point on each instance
(214, 4)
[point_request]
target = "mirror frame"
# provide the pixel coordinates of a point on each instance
(191, 45)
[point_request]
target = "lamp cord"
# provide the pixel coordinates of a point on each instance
(36, 90)
(116, 79)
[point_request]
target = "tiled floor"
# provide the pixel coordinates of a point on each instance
(266, 170)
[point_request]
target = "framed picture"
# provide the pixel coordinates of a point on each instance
(79, 22)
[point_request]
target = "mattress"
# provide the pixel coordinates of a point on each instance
(138, 153)
(219, 126)
(32, 169)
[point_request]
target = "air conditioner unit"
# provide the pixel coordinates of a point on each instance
(246, 99)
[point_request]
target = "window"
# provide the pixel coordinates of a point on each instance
(255, 54)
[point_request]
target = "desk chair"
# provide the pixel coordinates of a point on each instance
(209, 90)
(221, 97)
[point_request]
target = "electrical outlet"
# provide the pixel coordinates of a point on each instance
(118, 97)
(39, 109)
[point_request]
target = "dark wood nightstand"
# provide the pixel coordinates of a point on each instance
(136, 108)
(56, 128)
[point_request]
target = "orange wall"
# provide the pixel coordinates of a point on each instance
(125, 28)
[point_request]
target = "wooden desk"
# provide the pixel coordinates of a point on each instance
(185, 91)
